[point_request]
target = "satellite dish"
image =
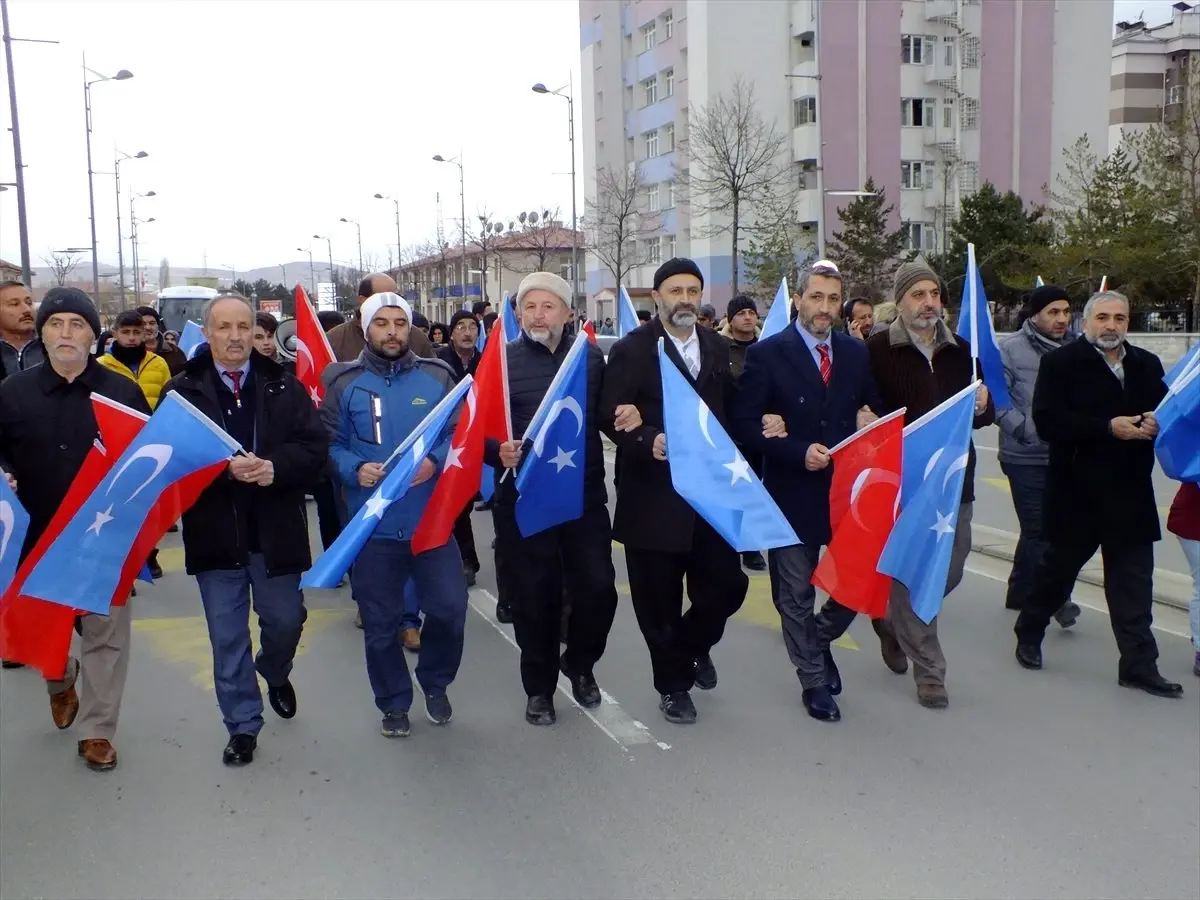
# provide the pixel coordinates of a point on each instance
(533, 217)
(545, 215)
(511, 226)
(498, 227)
(521, 218)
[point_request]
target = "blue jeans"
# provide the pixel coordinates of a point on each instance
(437, 577)
(227, 595)
(1028, 485)
(1191, 550)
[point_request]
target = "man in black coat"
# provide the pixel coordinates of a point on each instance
(1093, 402)
(463, 358)
(47, 429)
(665, 540)
(246, 538)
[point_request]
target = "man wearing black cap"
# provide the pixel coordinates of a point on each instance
(1024, 455)
(47, 428)
(741, 331)
(665, 541)
(463, 358)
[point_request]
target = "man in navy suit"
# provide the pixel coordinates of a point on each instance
(819, 381)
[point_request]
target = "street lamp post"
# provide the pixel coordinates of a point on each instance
(357, 225)
(329, 247)
(133, 220)
(540, 88)
(399, 262)
(312, 272)
(462, 200)
(120, 158)
(122, 75)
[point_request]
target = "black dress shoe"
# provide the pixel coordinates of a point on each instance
(470, 576)
(678, 708)
(9, 664)
(833, 677)
(820, 704)
(754, 561)
(583, 687)
(1029, 656)
(706, 673)
(539, 710)
(283, 700)
(240, 750)
(1152, 684)
(503, 613)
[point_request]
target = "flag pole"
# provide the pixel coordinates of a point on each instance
(973, 295)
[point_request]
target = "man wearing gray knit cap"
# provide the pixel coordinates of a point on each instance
(918, 363)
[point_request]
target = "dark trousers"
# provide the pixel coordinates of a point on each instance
(465, 535)
(329, 516)
(577, 555)
(227, 595)
(1128, 590)
(503, 567)
(1028, 484)
(716, 587)
(806, 635)
(381, 569)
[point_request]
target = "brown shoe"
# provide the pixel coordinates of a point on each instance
(98, 754)
(933, 696)
(411, 639)
(889, 647)
(64, 707)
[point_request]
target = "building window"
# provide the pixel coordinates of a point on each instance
(650, 144)
(916, 112)
(808, 175)
(671, 195)
(668, 80)
(948, 51)
(917, 49)
(1174, 94)
(653, 252)
(970, 52)
(652, 198)
(948, 114)
(649, 36)
(916, 174)
(668, 133)
(918, 236)
(667, 250)
(968, 178)
(804, 110)
(668, 21)
(649, 91)
(970, 113)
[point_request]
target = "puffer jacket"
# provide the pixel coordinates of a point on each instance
(152, 375)
(1022, 354)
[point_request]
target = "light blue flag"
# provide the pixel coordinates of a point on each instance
(509, 314)
(779, 315)
(82, 568)
(711, 475)
(627, 319)
(14, 525)
(1037, 282)
(191, 339)
(1190, 361)
(328, 570)
(936, 452)
(1178, 443)
(550, 481)
(975, 326)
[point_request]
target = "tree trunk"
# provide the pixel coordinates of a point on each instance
(734, 230)
(1194, 325)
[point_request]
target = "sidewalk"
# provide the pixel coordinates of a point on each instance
(1170, 588)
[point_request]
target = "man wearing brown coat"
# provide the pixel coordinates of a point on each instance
(347, 340)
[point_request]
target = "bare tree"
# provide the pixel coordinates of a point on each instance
(486, 237)
(618, 223)
(61, 265)
(736, 160)
(371, 262)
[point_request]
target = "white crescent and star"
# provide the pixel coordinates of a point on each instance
(454, 454)
(865, 479)
(957, 466)
(568, 403)
(564, 459)
(739, 469)
(103, 517)
(7, 519)
(160, 453)
(303, 351)
(702, 414)
(375, 506)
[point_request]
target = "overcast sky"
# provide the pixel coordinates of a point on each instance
(267, 121)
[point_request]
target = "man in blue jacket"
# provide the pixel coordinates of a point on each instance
(819, 380)
(371, 405)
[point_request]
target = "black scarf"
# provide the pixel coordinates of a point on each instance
(129, 356)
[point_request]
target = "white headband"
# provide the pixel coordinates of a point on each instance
(376, 302)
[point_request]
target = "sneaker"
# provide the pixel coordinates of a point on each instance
(678, 708)
(706, 673)
(394, 725)
(503, 613)
(1067, 614)
(437, 709)
(358, 620)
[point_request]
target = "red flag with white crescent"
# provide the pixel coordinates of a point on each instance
(863, 501)
(313, 352)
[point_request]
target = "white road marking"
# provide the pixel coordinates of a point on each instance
(620, 727)
(988, 449)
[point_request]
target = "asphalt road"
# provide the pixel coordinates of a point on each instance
(1050, 784)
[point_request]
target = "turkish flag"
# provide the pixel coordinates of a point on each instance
(487, 416)
(863, 501)
(590, 331)
(313, 352)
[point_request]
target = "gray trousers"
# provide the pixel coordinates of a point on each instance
(918, 640)
(807, 635)
(103, 664)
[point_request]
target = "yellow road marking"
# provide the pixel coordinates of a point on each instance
(1003, 485)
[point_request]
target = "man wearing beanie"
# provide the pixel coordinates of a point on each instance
(741, 331)
(918, 363)
(47, 429)
(665, 540)
(1024, 456)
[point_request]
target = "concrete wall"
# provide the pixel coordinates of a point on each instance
(1167, 347)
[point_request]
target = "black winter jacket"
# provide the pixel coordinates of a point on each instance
(289, 434)
(531, 368)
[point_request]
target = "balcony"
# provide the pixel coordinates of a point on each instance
(808, 205)
(806, 142)
(944, 11)
(804, 17)
(942, 74)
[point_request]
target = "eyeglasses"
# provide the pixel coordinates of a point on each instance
(465, 326)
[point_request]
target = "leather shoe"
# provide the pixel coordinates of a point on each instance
(1152, 684)
(283, 700)
(10, 664)
(539, 710)
(820, 704)
(706, 673)
(833, 677)
(98, 754)
(503, 613)
(889, 647)
(411, 639)
(64, 707)
(240, 750)
(933, 696)
(754, 561)
(583, 687)
(1029, 656)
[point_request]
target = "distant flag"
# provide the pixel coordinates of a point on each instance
(328, 570)
(627, 319)
(863, 500)
(936, 454)
(86, 562)
(508, 313)
(975, 326)
(1190, 361)
(779, 315)
(709, 472)
(1103, 284)
(1037, 282)
(1178, 443)
(590, 330)
(14, 524)
(481, 336)
(191, 339)
(550, 480)
(313, 352)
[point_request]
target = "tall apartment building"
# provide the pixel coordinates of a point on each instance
(928, 97)
(1155, 70)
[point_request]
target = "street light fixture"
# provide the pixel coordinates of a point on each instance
(133, 223)
(122, 75)
(540, 88)
(312, 272)
(120, 158)
(329, 247)
(357, 225)
(462, 200)
(397, 205)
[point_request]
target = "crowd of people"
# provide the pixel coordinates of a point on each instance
(1076, 445)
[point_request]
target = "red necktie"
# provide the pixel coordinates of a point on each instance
(826, 363)
(236, 377)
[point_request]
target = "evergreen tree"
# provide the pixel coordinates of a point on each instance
(866, 250)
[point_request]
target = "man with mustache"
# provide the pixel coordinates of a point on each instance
(1093, 403)
(20, 348)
